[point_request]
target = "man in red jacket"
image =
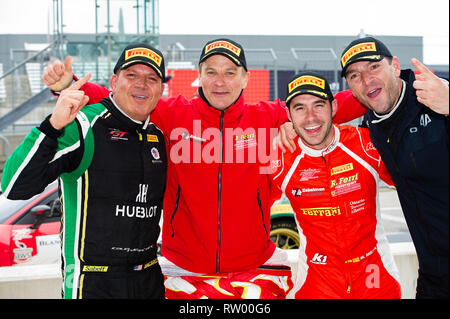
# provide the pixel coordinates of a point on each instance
(331, 181)
(217, 206)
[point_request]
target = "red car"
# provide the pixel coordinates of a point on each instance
(29, 229)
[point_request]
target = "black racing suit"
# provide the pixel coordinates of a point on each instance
(112, 173)
(414, 145)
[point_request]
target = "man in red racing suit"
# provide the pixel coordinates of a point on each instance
(332, 185)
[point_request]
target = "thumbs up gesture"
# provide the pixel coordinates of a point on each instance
(70, 102)
(57, 75)
(430, 89)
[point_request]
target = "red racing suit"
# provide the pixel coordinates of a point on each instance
(217, 203)
(343, 251)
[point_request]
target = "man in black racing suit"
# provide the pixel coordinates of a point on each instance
(111, 163)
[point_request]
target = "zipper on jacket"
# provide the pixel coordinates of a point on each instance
(141, 152)
(175, 210)
(258, 198)
(346, 275)
(219, 193)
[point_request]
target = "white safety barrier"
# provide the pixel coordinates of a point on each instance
(44, 281)
(30, 282)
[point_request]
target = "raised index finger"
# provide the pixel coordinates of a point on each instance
(421, 67)
(78, 84)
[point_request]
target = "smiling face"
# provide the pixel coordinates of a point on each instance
(136, 90)
(375, 84)
(311, 117)
(222, 81)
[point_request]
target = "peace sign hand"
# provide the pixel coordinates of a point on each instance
(430, 89)
(69, 103)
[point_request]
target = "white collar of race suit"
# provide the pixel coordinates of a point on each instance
(382, 117)
(144, 124)
(322, 152)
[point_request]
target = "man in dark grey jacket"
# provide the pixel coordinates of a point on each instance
(409, 127)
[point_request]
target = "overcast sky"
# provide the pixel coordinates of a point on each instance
(427, 18)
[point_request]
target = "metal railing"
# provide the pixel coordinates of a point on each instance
(22, 81)
(316, 57)
(39, 53)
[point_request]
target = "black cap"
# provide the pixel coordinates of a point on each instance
(308, 82)
(364, 49)
(140, 53)
(226, 47)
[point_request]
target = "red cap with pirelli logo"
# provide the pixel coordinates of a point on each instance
(141, 53)
(226, 47)
(363, 49)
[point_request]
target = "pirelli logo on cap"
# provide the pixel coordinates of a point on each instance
(306, 79)
(341, 169)
(223, 44)
(145, 53)
(356, 49)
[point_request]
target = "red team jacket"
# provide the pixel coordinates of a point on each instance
(343, 251)
(217, 202)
